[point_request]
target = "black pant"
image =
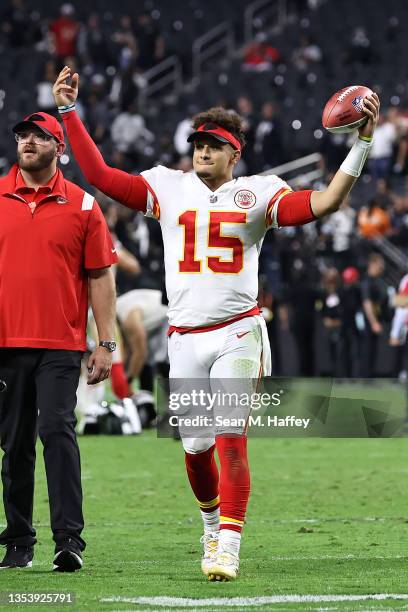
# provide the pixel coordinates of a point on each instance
(371, 342)
(41, 389)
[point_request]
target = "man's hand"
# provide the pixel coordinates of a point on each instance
(65, 94)
(371, 107)
(99, 365)
(376, 327)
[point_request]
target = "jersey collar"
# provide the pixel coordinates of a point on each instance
(13, 184)
(221, 189)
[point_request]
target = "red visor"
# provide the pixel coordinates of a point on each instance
(218, 132)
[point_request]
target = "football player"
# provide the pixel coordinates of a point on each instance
(213, 226)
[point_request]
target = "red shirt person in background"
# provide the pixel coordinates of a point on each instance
(65, 30)
(54, 245)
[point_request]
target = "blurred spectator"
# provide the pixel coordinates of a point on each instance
(45, 98)
(245, 108)
(166, 155)
(98, 117)
(331, 319)
(373, 221)
(301, 297)
(350, 332)
(260, 56)
(129, 132)
(375, 308)
(399, 221)
(126, 86)
(125, 43)
(334, 149)
(382, 149)
(340, 228)
(64, 32)
(94, 46)
(269, 147)
(182, 132)
(383, 195)
(16, 24)
(307, 54)
(150, 42)
(360, 50)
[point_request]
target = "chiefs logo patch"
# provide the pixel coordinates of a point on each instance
(245, 199)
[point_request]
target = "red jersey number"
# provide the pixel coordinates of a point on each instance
(216, 239)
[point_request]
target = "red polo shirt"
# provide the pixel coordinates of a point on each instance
(49, 238)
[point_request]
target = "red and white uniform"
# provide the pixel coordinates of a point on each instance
(212, 241)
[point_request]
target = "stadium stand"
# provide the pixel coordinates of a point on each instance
(307, 51)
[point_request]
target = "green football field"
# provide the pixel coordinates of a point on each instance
(327, 517)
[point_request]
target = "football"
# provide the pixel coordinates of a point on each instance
(344, 111)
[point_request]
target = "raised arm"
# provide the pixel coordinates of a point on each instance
(301, 207)
(130, 190)
(329, 200)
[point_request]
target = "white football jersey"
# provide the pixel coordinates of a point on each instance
(212, 241)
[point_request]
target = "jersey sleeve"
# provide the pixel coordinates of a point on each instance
(123, 187)
(403, 286)
(160, 181)
(99, 248)
(276, 190)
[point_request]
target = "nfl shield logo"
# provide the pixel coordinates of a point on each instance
(357, 104)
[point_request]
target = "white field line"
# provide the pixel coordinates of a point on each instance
(185, 602)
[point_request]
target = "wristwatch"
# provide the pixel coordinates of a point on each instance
(108, 344)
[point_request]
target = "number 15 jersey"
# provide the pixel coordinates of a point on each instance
(212, 241)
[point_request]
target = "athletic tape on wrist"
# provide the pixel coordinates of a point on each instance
(66, 109)
(355, 160)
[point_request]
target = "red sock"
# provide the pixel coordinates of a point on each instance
(234, 481)
(120, 385)
(202, 473)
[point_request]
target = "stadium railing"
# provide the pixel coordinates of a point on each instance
(167, 75)
(261, 15)
(210, 44)
(307, 170)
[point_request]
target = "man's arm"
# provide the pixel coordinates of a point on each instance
(300, 207)
(329, 200)
(130, 190)
(368, 308)
(102, 295)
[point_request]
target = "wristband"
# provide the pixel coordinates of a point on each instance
(66, 109)
(355, 160)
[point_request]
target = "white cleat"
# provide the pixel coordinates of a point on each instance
(210, 544)
(225, 566)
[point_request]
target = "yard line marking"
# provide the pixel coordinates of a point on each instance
(187, 602)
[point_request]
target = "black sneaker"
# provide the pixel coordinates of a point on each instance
(17, 556)
(67, 557)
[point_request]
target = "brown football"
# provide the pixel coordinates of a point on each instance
(344, 111)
